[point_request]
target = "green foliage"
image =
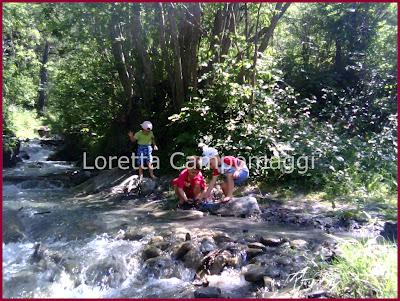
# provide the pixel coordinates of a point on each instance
(363, 270)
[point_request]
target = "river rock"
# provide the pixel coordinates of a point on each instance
(150, 252)
(132, 234)
(251, 253)
(271, 241)
(192, 259)
(254, 273)
(242, 206)
(389, 231)
(257, 245)
(222, 238)
(269, 283)
(207, 245)
(182, 249)
(79, 176)
(208, 292)
(156, 239)
(160, 267)
(298, 244)
(109, 272)
(148, 185)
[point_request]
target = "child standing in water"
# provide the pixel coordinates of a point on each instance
(145, 139)
(235, 171)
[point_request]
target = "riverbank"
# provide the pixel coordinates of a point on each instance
(91, 240)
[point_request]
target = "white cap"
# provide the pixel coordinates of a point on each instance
(146, 125)
(208, 153)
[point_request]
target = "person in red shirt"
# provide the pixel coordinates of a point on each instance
(235, 171)
(190, 184)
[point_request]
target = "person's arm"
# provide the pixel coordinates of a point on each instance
(211, 185)
(131, 136)
(153, 141)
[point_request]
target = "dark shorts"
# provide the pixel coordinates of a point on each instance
(144, 154)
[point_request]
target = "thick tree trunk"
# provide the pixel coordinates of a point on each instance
(41, 102)
(178, 77)
(268, 32)
(139, 44)
(164, 50)
(189, 40)
(120, 63)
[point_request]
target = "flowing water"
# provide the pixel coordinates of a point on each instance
(80, 254)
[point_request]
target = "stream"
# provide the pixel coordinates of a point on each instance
(87, 241)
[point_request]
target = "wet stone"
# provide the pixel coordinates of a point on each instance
(207, 245)
(222, 237)
(156, 239)
(251, 253)
(208, 292)
(109, 272)
(150, 252)
(160, 267)
(269, 283)
(257, 245)
(254, 273)
(193, 258)
(298, 244)
(271, 241)
(181, 251)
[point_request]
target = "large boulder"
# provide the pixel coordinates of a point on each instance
(243, 207)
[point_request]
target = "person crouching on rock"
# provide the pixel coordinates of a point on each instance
(190, 184)
(145, 139)
(235, 171)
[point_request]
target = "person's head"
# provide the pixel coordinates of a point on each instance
(210, 157)
(147, 126)
(193, 165)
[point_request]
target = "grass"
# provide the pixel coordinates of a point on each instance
(364, 269)
(24, 122)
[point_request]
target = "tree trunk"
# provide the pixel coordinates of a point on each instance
(164, 49)
(254, 75)
(178, 77)
(144, 58)
(41, 102)
(189, 40)
(268, 32)
(120, 63)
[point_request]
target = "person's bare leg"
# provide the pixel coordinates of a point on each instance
(151, 173)
(180, 194)
(140, 172)
(227, 188)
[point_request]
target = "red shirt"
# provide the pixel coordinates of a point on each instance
(184, 182)
(228, 161)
